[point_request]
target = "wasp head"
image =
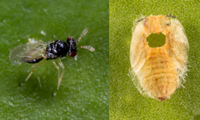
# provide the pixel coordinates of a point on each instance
(72, 46)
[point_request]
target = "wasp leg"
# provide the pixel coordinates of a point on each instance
(30, 73)
(63, 71)
(57, 67)
(32, 70)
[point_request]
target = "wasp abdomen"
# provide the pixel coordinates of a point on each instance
(25, 59)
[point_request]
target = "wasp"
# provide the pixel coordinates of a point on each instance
(36, 51)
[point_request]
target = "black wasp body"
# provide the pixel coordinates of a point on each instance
(60, 48)
(56, 49)
(34, 52)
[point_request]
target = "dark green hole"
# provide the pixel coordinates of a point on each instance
(156, 40)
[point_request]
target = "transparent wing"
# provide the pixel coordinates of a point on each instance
(27, 52)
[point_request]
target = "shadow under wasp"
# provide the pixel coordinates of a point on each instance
(35, 51)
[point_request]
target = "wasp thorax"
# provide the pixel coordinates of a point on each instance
(56, 49)
(156, 24)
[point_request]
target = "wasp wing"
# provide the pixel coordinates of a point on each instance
(27, 53)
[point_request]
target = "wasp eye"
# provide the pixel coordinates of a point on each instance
(72, 54)
(70, 38)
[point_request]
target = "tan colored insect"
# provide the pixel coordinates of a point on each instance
(159, 70)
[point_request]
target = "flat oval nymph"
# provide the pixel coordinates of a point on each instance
(159, 70)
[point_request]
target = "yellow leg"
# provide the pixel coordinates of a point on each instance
(30, 73)
(63, 69)
(33, 69)
(57, 67)
(60, 76)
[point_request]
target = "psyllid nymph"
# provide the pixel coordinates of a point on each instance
(159, 70)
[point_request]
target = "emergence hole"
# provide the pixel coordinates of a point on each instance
(156, 40)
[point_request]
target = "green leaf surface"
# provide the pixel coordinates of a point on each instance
(125, 101)
(83, 93)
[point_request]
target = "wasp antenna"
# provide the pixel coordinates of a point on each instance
(88, 48)
(82, 34)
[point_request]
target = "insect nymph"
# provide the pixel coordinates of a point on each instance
(159, 70)
(35, 52)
